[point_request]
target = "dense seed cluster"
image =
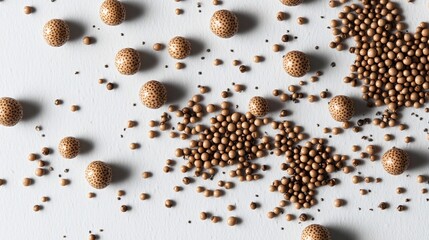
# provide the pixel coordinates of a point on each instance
(69, 147)
(390, 62)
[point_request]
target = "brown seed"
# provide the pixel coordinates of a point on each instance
(296, 63)
(203, 216)
(44, 199)
(230, 207)
(120, 193)
(232, 221)
(74, 108)
(98, 174)
(32, 156)
(11, 111)
(169, 203)
(146, 175)
(143, 196)
(257, 59)
(395, 161)
(92, 237)
(134, 146)
(69, 147)
(112, 12)
(58, 102)
(178, 11)
(39, 172)
(153, 94)
(301, 20)
(341, 108)
(180, 65)
(28, 9)
(253, 205)
(127, 61)
(91, 195)
(86, 40)
(224, 24)
(110, 86)
(37, 208)
(215, 219)
(258, 106)
(289, 217)
(276, 48)
(356, 179)
(27, 182)
(217, 62)
(179, 47)
(400, 190)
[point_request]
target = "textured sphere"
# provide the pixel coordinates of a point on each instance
(315, 232)
(395, 161)
(69, 147)
(296, 63)
(153, 94)
(291, 2)
(56, 32)
(112, 12)
(224, 24)
(10, 111)
(127, 61)
(341, 108)
(98, 174)
(179, 47)
(258, 106)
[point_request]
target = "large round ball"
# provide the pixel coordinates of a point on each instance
(112, 12)
(258, 106)
(395, 161)
(291, 2)
(179, 47)
(224, 23)
(98, 174)
(10, 111)
(341, 108)
(56, 32)
(315, 232)
(69, 147)
(127, 61)
(296, 63)
(153, 94)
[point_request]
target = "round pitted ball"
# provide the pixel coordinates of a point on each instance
(179, 47)
(395, 161)
(56, 32)
(98, 174)
(291, 2)
(316, 232)
(112, 12)
(69, 147)
(10, 111)
(258, 106)
(224, 23)
(296, 63)
(153, 94)
(127, 61)
(341, 108)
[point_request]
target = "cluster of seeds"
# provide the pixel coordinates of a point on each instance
(390, 62)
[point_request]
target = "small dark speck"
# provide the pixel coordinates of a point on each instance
(189, 222)
(143, 43)
(295, 37)
(106, 66)
(122, 34)
(236, 106)
(101, 230)
(166, 66)
(199, 11)
(77, 72)
(318, 125)
(223, 172)
(322, 16)
(266, 40)
(371, 209)
(287, 31)
(98, 28)
(59, 175)
(200, 73)
(202, 58)
(232, 50)
(318, 210)
(333, 64)
(360, 209)
(256, 195)
(43, 135)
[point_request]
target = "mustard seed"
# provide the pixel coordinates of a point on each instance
(27, 182)
(28, 10)
(37, 208)
(217, 62)
(44, 199)
(158, 47)
(32, 156)
(124, 208)
(338, 203)
(121, 193)
(92, 237)
(253, 205)
(39, 172)
(421, 179)
(146, 175)
(276, 48)
(203, 216)
(45, 151)
(143, 196)
(289, 217)
(232, 221)
(134, 146)
(215, 219)
(86, 40)
(169, 203)
(91, 195)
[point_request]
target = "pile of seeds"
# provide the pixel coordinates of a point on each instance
(390, 62)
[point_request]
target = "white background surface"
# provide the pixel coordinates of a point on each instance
(37, 74)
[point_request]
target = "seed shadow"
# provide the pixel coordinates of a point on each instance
(86, 146)
(134, 10)
(175, 92)
(317, 62)
(149, 60)
(307, 2)
(342, 233)
(77, 29)
(361, 109)
(418, 159)
(30, 109)
(197, 46)
(274, 105)
(246, 22)
(119, 172)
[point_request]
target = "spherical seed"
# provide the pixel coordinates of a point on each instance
(363, 191)
(408, 139)
(257, 59)
(86, 40)
(356, 179)
(179, 47)
(69, 147)
(124, 208)
(56, 32)
(271, 215)
(203, 216)
(74, 108)
(217, 62)
(28, 9)
(388, 137)
(169, 203)
(146, 175)
(153, 94)
(92, 237)
(120, 193)
(112, 12)
(296, 63)
(215, 219)
(98, 174)
(400, 190)
(27, 182)
(421, 178)
(32, 156)
(341, 108)
(39, 172)
(291, 3)
(37, 208)
(158, 47)
(395, 161)
(45, 151)
(127, 61)
(224, 23)
(64, 182)
(110, 86)
(258, 106)
(180, 65)
(232, 221)
(11, 111)
(301, 20)
(276, 48)
(338, 202)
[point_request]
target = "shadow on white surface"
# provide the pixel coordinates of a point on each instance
(30, 109)
(134, 10)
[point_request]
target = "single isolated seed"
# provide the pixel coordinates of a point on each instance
(28, 9)
(296, 63)
(232, 221)
(86, 40)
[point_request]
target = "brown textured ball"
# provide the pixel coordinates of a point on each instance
(224, 23)
(258, 106)
(341, 108)
(127, 61)
(296, 63)
(291, 2)
(315, 232)
(98, 174)
(395, 161)
(112, 12)
(10, 111)
(179, 47)
(56, 32)
(153, 94)
(69, 147)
